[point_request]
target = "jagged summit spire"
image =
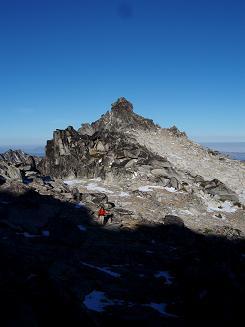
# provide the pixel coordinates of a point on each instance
(122, 104)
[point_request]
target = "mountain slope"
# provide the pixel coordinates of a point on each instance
(189, 156)
(92, 150)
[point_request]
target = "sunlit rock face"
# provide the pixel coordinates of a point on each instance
(102, 149)
(122, 104)
(123, 146)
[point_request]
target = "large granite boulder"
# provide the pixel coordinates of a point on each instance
(9, 171)
(216, 188)
(17, 165)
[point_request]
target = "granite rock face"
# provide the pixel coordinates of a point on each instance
(119, 119)
(20, 158)
(116, 148)
(17, 165)
(107, 153)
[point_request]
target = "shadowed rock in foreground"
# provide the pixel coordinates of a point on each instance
(62, 267)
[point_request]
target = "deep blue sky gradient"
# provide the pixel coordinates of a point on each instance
(64, 62)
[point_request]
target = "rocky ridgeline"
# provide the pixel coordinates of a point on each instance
(103, 150)
(176, 244)
(108, 149)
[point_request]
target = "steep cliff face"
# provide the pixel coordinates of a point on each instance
(103, 148)
(108, 155)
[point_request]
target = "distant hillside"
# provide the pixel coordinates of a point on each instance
(235, 150)
(236, 155)
(34, 150)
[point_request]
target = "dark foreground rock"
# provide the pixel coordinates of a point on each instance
(70, 270)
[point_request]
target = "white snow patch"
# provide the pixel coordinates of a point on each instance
(95, 187)
(184, 212)
(225, 207)
(45, 233)
(97, 301)
(123, 194)
(28, 235)
(149, 188)
(161, 308)
(79, 205)
(82, 228)
(170, 189)
(215, 205)
(145, 189)
(166, 275)
(103, 269)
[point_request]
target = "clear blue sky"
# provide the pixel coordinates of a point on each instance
(64, 62)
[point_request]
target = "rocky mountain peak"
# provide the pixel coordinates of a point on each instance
(122, 104)
(120, 118)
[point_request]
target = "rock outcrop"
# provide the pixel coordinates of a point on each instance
(120, 119)
(107, 153)
(18, 165)
(111, 149)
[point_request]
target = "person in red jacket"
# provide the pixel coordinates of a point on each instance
(101, 215)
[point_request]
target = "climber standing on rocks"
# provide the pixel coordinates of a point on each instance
(101, 215)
